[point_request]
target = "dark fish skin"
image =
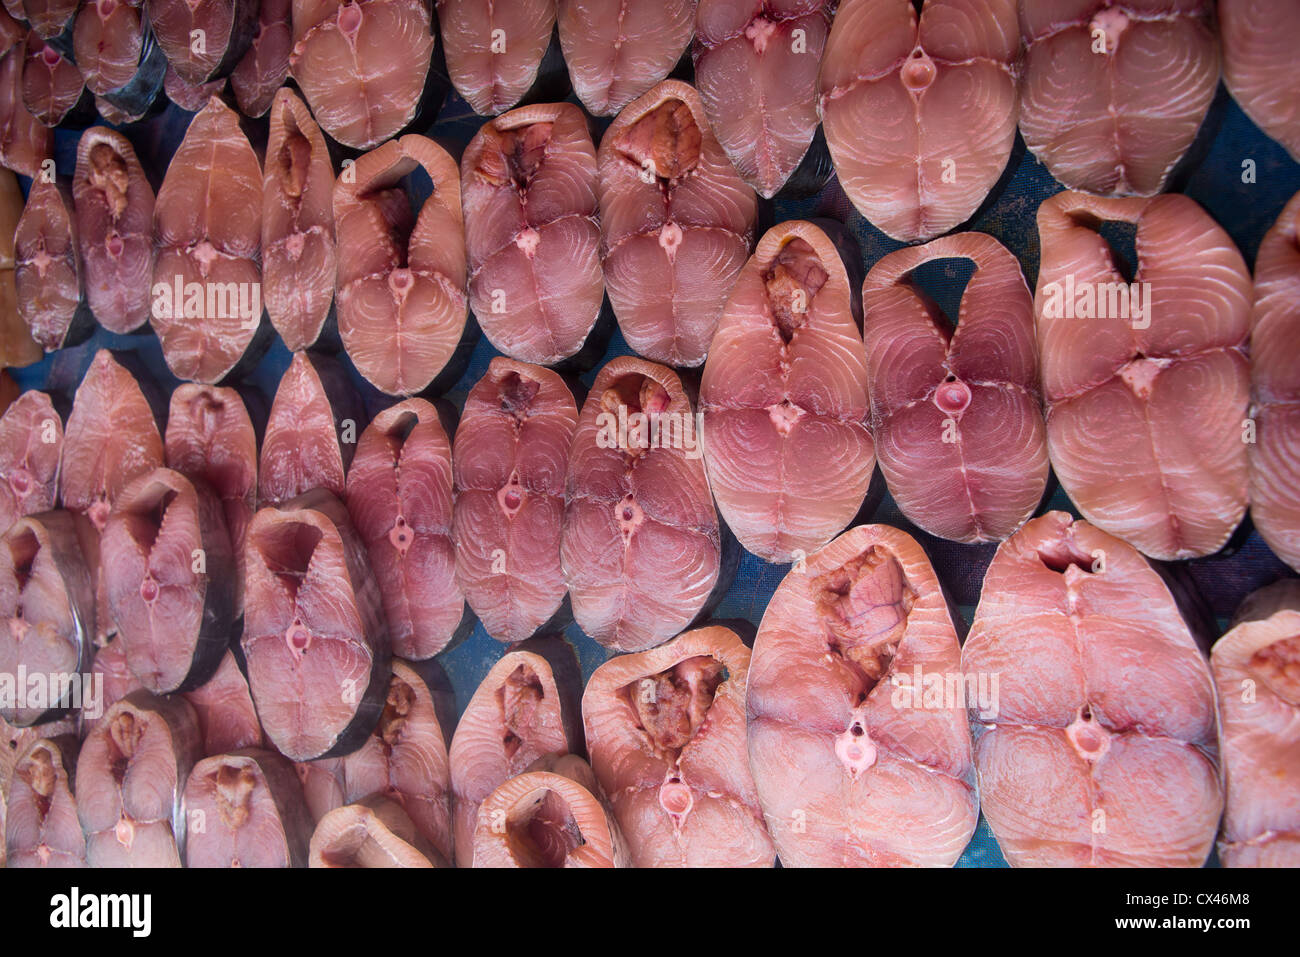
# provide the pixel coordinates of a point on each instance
(114, 210)
(228, 25)
(120, 59)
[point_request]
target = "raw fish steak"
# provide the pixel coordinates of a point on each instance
(1099, 748)
(107, 39)
(25, 142)
(1275, 388)
(957, 412)
(208, 235)
(14, 743)
(510, 457)
(224, 707)
(494, 49)
(1146, 407)
(49, 18)
(47, 265)
(399, 494)
(404, 759)
(314, 633)
(31, 444)
(40, 821)
(52, 86)
(756, 67)
(298, 260)
(114, 208)
(676, 224)
(616, 50)
(532, 233)
(262, 70)
(362, 65)
(374, 833)
(1256, 674)
(245, 809)
(524, 710)
(1113, 93)
(920, 108)
(131, 774)
(666, 731)
(784, 398)
(854, 766)
(47, 611)
(111, 668)
(1260, 38)
(311, 432)
(549, 818)
(401, 275)
(169, 576)
(17, 347)
(642, 546)
(210, 438)
(224, 30)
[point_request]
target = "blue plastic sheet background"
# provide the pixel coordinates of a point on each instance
(1212, 175)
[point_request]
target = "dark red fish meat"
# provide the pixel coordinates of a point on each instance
(399, 493)
(298, 254)
(47, 267)
(245, 809)
(315, 638)
(532, 233)
(207, 277)
(494, 50)
(510, 456)
(40, 821)
(31, 446)
(265, 66)
(676, 223)
(401, 277)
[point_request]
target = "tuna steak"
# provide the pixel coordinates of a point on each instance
(666, 729)
(549, 819)
(304, 448)
(616, 50)
(1113, 93)
(115, 53)
(765, 57)
(47, 267)
(169, 575)
(41, 826)
(265, 66)
(676, 224)
(957, 413)
(1259, 37)
(919, 106)
(224, 707)
(524, 710)
(362, 65)
(17, 347)
(401, 278)
(1275, 388)
(510, 456)
(853, 767)
(374, 833)
(532, 233)
(47, 603)
(52, 86)
(14, 743)
(1255, 673)
(130, 778)
(49, 18)
(404, 759)
(297, 224)
(314, 633)
(25, 142)
(1099, 747)
(31, 444)
(210, 439)
(245, 809)
(114, 208)
(642, 547)
(1145, 408)
(784, 398)
(208, 233)
(399, 494)
(203, 39)
(494, 50)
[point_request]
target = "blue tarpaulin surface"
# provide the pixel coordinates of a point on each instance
(1213, 175)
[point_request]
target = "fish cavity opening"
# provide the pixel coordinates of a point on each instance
(941, 284)
(791, 282)
(545, 833)
(293, 162)
(864, 606)
(1060, 556)
(124, 735)
(109, 175)
(38, 771)
(519, 698)
(516, 394)
(664, 143)
(524, 153)
(1278, 666)
(145, 521)
(287, 549)
(671, 706)
(233, 786)
(23, 549)
(397, 709)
